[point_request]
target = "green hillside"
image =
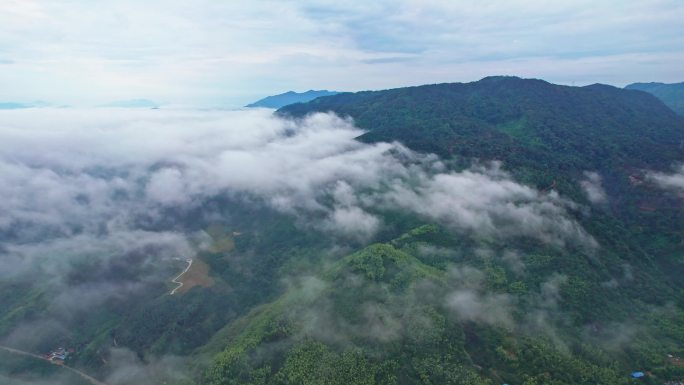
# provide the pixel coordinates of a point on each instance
(394, 314)
(671, 94)
(526, 123)
(547, 136)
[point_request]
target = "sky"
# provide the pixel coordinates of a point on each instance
(226, 53)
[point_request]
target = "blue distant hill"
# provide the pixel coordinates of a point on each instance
(290, 97)
(19, 105)
(670, 94)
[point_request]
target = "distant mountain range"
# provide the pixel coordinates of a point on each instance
(19, 105)
(671, 94)
(290, 97)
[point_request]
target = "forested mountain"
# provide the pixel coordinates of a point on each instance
(429, 307)
(670, 94)
(502, 231)
(290, 97)
(527, 123)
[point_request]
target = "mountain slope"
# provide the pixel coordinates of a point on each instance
(566, 318)
(290, 97)
(523, 122)
(394, 313)
(671, 94)
(548, 136)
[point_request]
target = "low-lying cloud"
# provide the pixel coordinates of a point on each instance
(592, 184)
(128, 369)
(105, 189)
(673, 181)
(470, 300)
(486, 202)
(70, 172)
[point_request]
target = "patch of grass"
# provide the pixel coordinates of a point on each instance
(197, 275)
(222, 239)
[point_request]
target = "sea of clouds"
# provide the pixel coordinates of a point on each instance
(102, 188)
(70, 172)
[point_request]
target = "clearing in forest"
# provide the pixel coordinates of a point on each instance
(196, 274)
(222, 238)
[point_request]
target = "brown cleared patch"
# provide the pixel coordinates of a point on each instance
(647, 208)
(222, 239)
(197, 275)
(676, 361)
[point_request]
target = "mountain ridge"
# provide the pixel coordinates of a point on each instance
(671, 94)
(528, 116)
(290, 97)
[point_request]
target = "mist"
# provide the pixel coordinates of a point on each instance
(111, 190)
(71, 172)
(673, 181)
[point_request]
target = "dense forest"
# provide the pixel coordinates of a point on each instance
(671, 94)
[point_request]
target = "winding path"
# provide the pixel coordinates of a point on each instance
(86, 377)
(175, 280)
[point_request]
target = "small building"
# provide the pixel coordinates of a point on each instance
(637, 374)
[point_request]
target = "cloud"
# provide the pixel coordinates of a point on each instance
(93, 171)
(121, 195)
(673, 181)
(482, 307)
(545, 314)
(484, 201)
(470, 300)
(238, 52)
(592, 186)
(514, 261)
(55, 258)
(127, 369)
(166, 187)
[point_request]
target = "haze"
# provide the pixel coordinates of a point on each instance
(208, 53)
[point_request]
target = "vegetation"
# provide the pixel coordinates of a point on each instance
(382, 315)
(671, 94)
(17, 369)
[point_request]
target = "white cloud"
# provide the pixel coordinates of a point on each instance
(593, 187)
(471, 302)
(166, 187)
(104, 189)
(230, 52)
(127, 368)
(92, 168)
(484, 201)
(673, 181)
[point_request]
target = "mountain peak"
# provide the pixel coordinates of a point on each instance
(290, 97)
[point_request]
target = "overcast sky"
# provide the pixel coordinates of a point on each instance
(228, 53)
